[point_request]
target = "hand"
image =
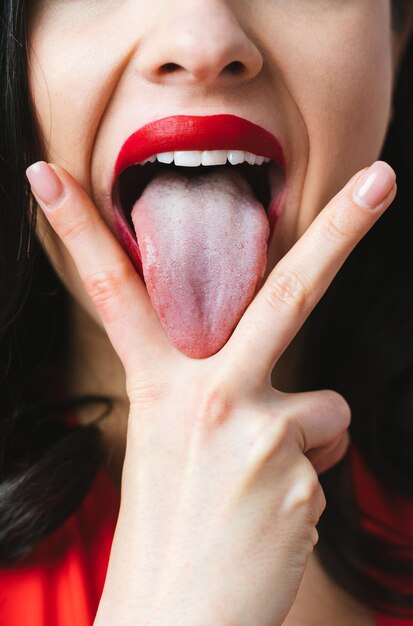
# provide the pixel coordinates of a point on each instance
(219, 498)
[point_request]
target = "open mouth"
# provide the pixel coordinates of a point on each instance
(195, 202)
(181, 147)
(265, 179)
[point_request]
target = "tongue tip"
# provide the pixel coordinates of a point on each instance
(200, 348)
(197, 351)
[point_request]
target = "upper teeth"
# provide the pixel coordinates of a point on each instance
(194, 158)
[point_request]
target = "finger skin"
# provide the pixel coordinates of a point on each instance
(107, 273)
(326, 458)
(322, 417)
(298, 282)
(134, 330)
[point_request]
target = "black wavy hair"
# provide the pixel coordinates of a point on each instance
(359, 341)
(47, 465)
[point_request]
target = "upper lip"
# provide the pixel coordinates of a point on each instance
(183, 132)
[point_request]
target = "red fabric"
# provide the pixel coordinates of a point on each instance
(60, 584)
(393, 520)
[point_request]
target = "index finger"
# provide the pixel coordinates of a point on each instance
(107, 273)
(300, 279)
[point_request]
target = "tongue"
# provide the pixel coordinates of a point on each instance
(203, 242)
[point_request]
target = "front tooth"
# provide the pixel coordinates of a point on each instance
(250, 158)
(194, 158)
(188, 158)
(165, 157)
(235, 157)
(214, 157)
(151, 159)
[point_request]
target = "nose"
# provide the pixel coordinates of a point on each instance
(198, 42)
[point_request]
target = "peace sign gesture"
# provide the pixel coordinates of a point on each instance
(219, 497)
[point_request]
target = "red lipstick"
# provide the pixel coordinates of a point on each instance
(182, 132)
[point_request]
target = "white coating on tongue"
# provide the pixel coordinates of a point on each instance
(203, 242)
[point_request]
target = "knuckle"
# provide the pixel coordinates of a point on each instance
(146, 393)
(314, 536)
(215, 406)
(304, 493)
(287, 289)
(322, 502)
(102, 287)
(274, 443)
(70, 227)
(283, 431)
(339, 225)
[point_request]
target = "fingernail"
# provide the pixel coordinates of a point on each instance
(374, 185)
(45, 182)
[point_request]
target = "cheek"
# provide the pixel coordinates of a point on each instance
(342, 87)
(70, 82)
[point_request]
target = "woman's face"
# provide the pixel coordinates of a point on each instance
(318, 74)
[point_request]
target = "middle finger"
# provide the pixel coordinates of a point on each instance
(303, 275)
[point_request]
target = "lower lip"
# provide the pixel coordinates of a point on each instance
(127, 238)
(278, 179)
(274, 212)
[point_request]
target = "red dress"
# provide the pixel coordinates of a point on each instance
(62, 581)
(60, 584)
(394, 521)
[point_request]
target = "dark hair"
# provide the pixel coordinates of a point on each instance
(47, 465)
(359, 341)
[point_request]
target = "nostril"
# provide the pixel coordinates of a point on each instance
(236, 67)
(167, 68)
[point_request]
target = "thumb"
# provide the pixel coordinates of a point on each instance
(325, 458)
